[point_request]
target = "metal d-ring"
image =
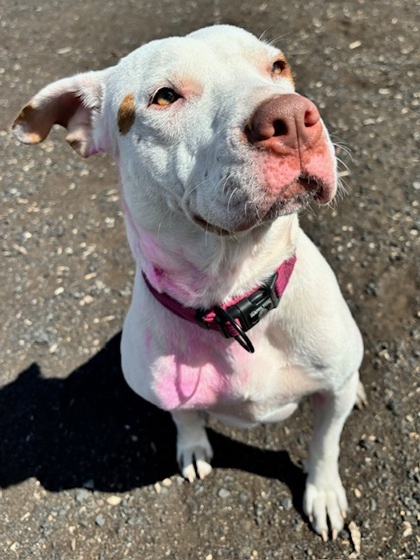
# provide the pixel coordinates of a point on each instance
(223, 320)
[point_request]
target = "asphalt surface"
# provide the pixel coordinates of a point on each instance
(87, 469)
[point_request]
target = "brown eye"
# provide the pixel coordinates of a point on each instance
(165, 96)
(278, 67)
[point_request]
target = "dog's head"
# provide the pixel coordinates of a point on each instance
(207, 126)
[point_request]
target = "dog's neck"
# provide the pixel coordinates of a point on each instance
(199, 269)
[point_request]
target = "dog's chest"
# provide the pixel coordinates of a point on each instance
(248, 388)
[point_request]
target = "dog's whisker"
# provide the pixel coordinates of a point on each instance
(196, 186)
(343, 189)
(273, 42)
(230, 198)
(342, 163)
(223, 180)
(341, 147)
(164, 217)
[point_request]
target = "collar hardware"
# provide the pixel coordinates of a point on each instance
(238, 318)
(235, 319)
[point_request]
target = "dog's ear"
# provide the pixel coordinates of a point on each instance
(74, 103)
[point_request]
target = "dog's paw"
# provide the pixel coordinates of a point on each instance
(193, 449)
(361, 398)
(326, 506)
(194, 461)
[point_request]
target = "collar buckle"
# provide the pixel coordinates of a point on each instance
(235, 320)
(251, 309)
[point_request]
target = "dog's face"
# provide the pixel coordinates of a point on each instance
(207, 126)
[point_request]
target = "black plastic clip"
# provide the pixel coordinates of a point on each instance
(246, 313)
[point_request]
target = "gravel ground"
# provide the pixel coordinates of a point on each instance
(87, 468)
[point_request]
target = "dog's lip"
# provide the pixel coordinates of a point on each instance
(218, 230)
(313, 188)
(208, 227)
(298, 194)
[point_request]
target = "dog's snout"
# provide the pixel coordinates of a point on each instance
(284, 122)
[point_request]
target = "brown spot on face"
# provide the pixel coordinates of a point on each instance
(126, 114)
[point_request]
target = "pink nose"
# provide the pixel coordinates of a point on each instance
(284, 122)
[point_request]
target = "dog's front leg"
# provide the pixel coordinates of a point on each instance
(325, 499)
(193, 448)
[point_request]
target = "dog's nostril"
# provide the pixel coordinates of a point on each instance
(280, 128)
(311, 117)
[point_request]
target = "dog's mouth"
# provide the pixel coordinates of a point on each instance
(292, 199)
(207, 226)
(299, 195)
(306, 189)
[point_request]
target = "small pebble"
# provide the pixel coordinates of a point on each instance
(114, 500)
(408, 529)
(356, 536)
(223, 493)
(287, 504)
(82, 495)
(100, 520)
(243, 497)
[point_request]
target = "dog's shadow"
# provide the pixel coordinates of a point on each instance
(91, 430)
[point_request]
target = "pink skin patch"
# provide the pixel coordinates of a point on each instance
(173, 284)
(320, 162)
(201, 377)
(183, 386)
(180, 279)
(147, 251)
(281, 171)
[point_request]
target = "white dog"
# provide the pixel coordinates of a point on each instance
(234, 310)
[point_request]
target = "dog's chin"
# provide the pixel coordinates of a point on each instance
(259, 218)
(291, 200)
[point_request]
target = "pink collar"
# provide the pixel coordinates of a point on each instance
(240, 314)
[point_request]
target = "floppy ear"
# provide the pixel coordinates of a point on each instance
(74, 103)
